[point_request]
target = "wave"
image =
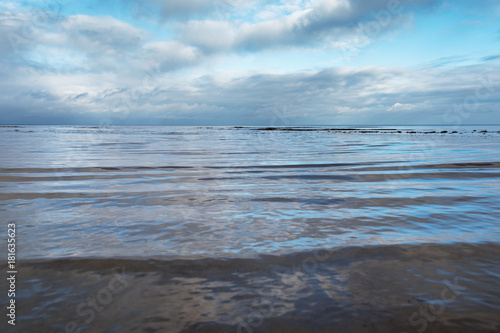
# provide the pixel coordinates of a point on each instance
(358, 166)
(429, 251)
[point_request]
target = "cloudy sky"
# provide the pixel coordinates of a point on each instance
(250, 62)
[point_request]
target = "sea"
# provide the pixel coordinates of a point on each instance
(250, 229)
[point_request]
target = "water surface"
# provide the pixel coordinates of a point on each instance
(244, 229)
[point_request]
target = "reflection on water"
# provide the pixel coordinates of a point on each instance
(243, 230)
(216, 192)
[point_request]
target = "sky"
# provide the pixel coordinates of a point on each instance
(250, 62)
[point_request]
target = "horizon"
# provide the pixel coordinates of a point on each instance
(242, 125)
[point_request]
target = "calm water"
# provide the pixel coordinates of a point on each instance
(223, 229)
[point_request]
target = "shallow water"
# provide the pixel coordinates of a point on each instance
(243, 229)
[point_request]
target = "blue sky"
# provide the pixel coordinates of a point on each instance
(250, 62)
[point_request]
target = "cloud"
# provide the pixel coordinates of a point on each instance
(310, 25)
(186, 8)
(92, 43)
(175, 10)
(100, 35)
(208, 35)
(82, 43)
(20, 28)
(401, 107)
(70, 43)
(375, 95)
(171, 55)
(453, 60)
(492, 57)
(86, 43)
(12, 39)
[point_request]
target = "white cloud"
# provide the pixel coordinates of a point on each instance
(300, 24)
(335, 95)
(171, 55)
(104, 34)
(184, 9)
(211, 36)
(401, 107)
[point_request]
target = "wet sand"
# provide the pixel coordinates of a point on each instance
(397, 288)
